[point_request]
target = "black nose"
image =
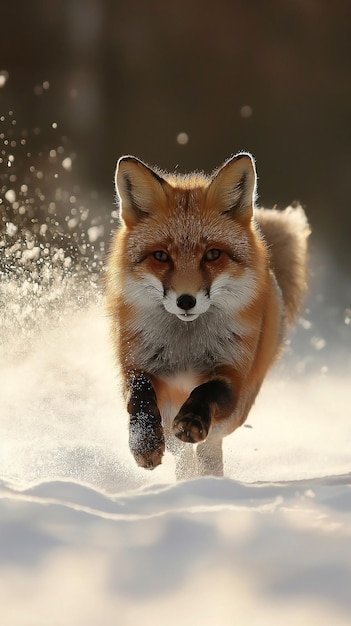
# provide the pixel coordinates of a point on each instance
(186, 301)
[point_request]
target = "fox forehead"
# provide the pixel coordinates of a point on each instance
(187, 224)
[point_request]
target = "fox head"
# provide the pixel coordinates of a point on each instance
(188, 243)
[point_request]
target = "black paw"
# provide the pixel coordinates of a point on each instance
(190, 428)
(147, 444)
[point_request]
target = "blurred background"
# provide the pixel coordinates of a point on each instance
(181, 85)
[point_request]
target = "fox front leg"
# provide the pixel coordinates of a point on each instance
(146, 440)
(213, 399)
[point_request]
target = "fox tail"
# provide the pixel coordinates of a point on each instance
(286, 234)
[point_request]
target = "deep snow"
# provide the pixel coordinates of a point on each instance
(87, 538)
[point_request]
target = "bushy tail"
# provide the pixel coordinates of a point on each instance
(286, 233)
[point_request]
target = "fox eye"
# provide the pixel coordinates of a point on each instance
(213, 254)
(161, 255)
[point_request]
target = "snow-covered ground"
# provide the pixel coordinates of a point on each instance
(88, 539)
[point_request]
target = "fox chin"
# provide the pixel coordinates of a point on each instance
(201, 289)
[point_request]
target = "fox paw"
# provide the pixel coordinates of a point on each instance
(147, 447)
(149, 460)
(190, 428)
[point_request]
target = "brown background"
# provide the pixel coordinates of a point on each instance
(127, 77)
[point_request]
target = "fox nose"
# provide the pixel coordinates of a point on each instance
(186, 301)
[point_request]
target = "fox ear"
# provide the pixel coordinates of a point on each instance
(140, 190)
(233, 188)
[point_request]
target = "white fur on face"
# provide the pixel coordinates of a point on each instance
(162, 346)
(227, 293)
(231, 294)
(146, 292)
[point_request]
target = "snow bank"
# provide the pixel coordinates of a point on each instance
(207, 551)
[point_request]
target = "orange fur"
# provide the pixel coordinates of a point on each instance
(200, 289)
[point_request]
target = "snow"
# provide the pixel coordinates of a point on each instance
(95, 233)
(89, 539)
(10, 194)
(11, 229)
(67, 164)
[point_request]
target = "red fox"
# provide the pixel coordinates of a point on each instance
(201, 287)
